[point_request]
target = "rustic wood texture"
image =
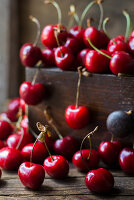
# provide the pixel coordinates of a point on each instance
(102, 93)
(72, 188)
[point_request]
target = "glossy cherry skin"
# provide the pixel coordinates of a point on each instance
(10, 158)
(126, 160)
(97, 38)
(66, 147)
(24, 123)
(81, 57)
(23, 105)
(39, 152)
(73, 45)
(131, 45)
(99, 181)
(31, 176)
(32, 94)
(13, 140)
(95, 62)
(77, 32)
(30, 55)
(109, 152)
(48, 37)
(5, 129)
(2, 144)
(87, 164)
(121, 62)
(13, 108)
(65, 61)
(57, 168)
(48, 57)
(117, 44)
(77, 118)
(132, 35)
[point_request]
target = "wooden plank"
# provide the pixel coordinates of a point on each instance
(101, 93)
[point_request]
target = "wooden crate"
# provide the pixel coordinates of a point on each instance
(102, 93)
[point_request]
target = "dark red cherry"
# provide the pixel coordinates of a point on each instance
(64, 59)
(13, 108)
(24, 123)
(30, 55)
(5, 129)
(99, 181)
(31, 176)
(39, 152)
(2, 144)
(81, 57)
(132, 35)
(10, 158)
(77, 118)
(73, 45)
(126, 160)
(23, 105)
(61, 147)
(77, 32)
(48, 57)
(95, 62)
(109, 152)
(86, 163)
(57, 168)
(32, 94)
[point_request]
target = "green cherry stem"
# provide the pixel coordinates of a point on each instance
(21, 138)
(73, 13)
(55, 4)
(95, 48)
(106, 20)
(112, 138)
(90, 145)
(129, 26)
(99, 2)
(78, 86)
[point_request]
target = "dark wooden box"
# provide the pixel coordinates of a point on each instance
(102, 93)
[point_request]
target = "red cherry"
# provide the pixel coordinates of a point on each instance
(13, 108)
(132, 35)
(99, 180)
(117, 44)
(61, 146)
(2, 144)
(64, 58)
(22, 105)
(96, 62)
(48, 36)
(73, 45)
(77, 32)
(48, 57)
(126, 160)
(98, 38)
(122, 62)
(85, 163)
(109, 152)
(31, 176)
(24, 123)
(131, 45)
(30, 55)
(13, 140)
(39, 152)
(5, 129)
(81, 57)
(10, 158)
(32, 94)
(57, 168)
(77, 118)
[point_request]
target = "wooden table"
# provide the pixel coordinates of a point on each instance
(71, 188)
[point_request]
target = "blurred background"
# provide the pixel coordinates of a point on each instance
(16, 29)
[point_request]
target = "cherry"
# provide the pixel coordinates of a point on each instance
(10, 158)
(77, 118)
(30, 54)
(32, 94)
(13, 140)
(96, 62)
(73, 45)
(86, 163)
(131, 45)
(39, 152)
(56, 166)
(64, 59)
(132, 35)
(2, 144)
(61, 146)
(13, 108)
(31, 176)
(126, 160)
(5, 129)
(23, 105)
(48, 57)
(99, 180)
(120, 123)
(109, 152)
(81, 57)
(77, 32)
(24, 123)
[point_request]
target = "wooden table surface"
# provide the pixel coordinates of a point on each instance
(71, 188)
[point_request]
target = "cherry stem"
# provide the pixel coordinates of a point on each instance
(57, 40)
(19, 114)
(36, 21)
(74, 14)
(112, 138)
(35, 77)
(55, 4)
(21, 138)
(90, 144)
(99, 2)
(51, 122)
(104, 26)
(95, 48)
(87, 136)
(85, 11)
(78, 87)
(31, 156)
(129, 26)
